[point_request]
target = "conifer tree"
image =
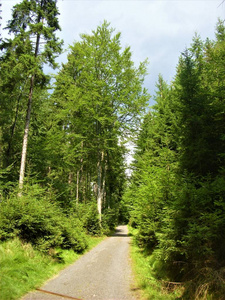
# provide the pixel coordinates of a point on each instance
(177, 189)
(34, 44)
(149, 194)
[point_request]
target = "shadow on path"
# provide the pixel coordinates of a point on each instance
(120, 233)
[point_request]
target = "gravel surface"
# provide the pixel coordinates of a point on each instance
(104, 273)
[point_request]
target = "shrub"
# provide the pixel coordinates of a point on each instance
(109, 219)
(36, 220)
(88, 216)
(73, 234)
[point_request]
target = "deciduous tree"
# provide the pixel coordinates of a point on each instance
(99, 99)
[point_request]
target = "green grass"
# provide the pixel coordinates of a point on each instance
(23, 268)
(147, 279)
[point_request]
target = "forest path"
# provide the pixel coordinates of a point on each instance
(104, 273)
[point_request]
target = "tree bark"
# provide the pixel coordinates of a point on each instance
(77, 188)
(80, 171)
(27, 124)
(100, 186)
(25, 137)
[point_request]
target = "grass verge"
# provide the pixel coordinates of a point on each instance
(147, 279)
(22, 268)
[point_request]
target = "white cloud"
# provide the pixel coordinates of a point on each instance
(157, 29)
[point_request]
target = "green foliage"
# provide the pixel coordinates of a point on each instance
(23, 268)
(98, 96)
(35, 219)
(5, 185)
(110, 219)
(89, 218)
(37, 18)
(76, 134)
(149, 274)
(34, 44)
(88, 215)
(176, 194)
(152, 183)
(175, 197)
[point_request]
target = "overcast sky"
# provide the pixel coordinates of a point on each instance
(155, 29)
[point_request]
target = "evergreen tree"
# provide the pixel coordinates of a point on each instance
(152, 180)
(176, 194)
(34, 44)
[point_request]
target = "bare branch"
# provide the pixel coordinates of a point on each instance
(221, 3)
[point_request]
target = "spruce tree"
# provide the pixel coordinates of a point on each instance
(33, 25)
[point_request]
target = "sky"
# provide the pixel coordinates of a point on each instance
(155, 29)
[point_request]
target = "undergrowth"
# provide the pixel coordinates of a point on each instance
(24, 268)
(149, 281)
(36, 219)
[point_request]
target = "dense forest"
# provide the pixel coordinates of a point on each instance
(63, 148)
(176, 193)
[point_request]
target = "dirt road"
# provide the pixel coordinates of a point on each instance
(104, 273)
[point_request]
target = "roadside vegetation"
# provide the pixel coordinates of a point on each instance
(150, 281)
(24, 268)
(176, 194)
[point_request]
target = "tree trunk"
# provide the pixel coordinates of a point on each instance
(27, 125)
(77, 190)
(104, 198)
(80, 171)
(25, 137)
(100, 186)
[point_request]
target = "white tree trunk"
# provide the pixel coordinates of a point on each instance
(100, 187)
(99, 194)
(25, 137)
(27, 125)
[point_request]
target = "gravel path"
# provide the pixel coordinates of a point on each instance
(104, 273)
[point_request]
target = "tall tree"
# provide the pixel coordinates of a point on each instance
(177, 190)
(104, 89)
(149, 193)
(33, 24)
